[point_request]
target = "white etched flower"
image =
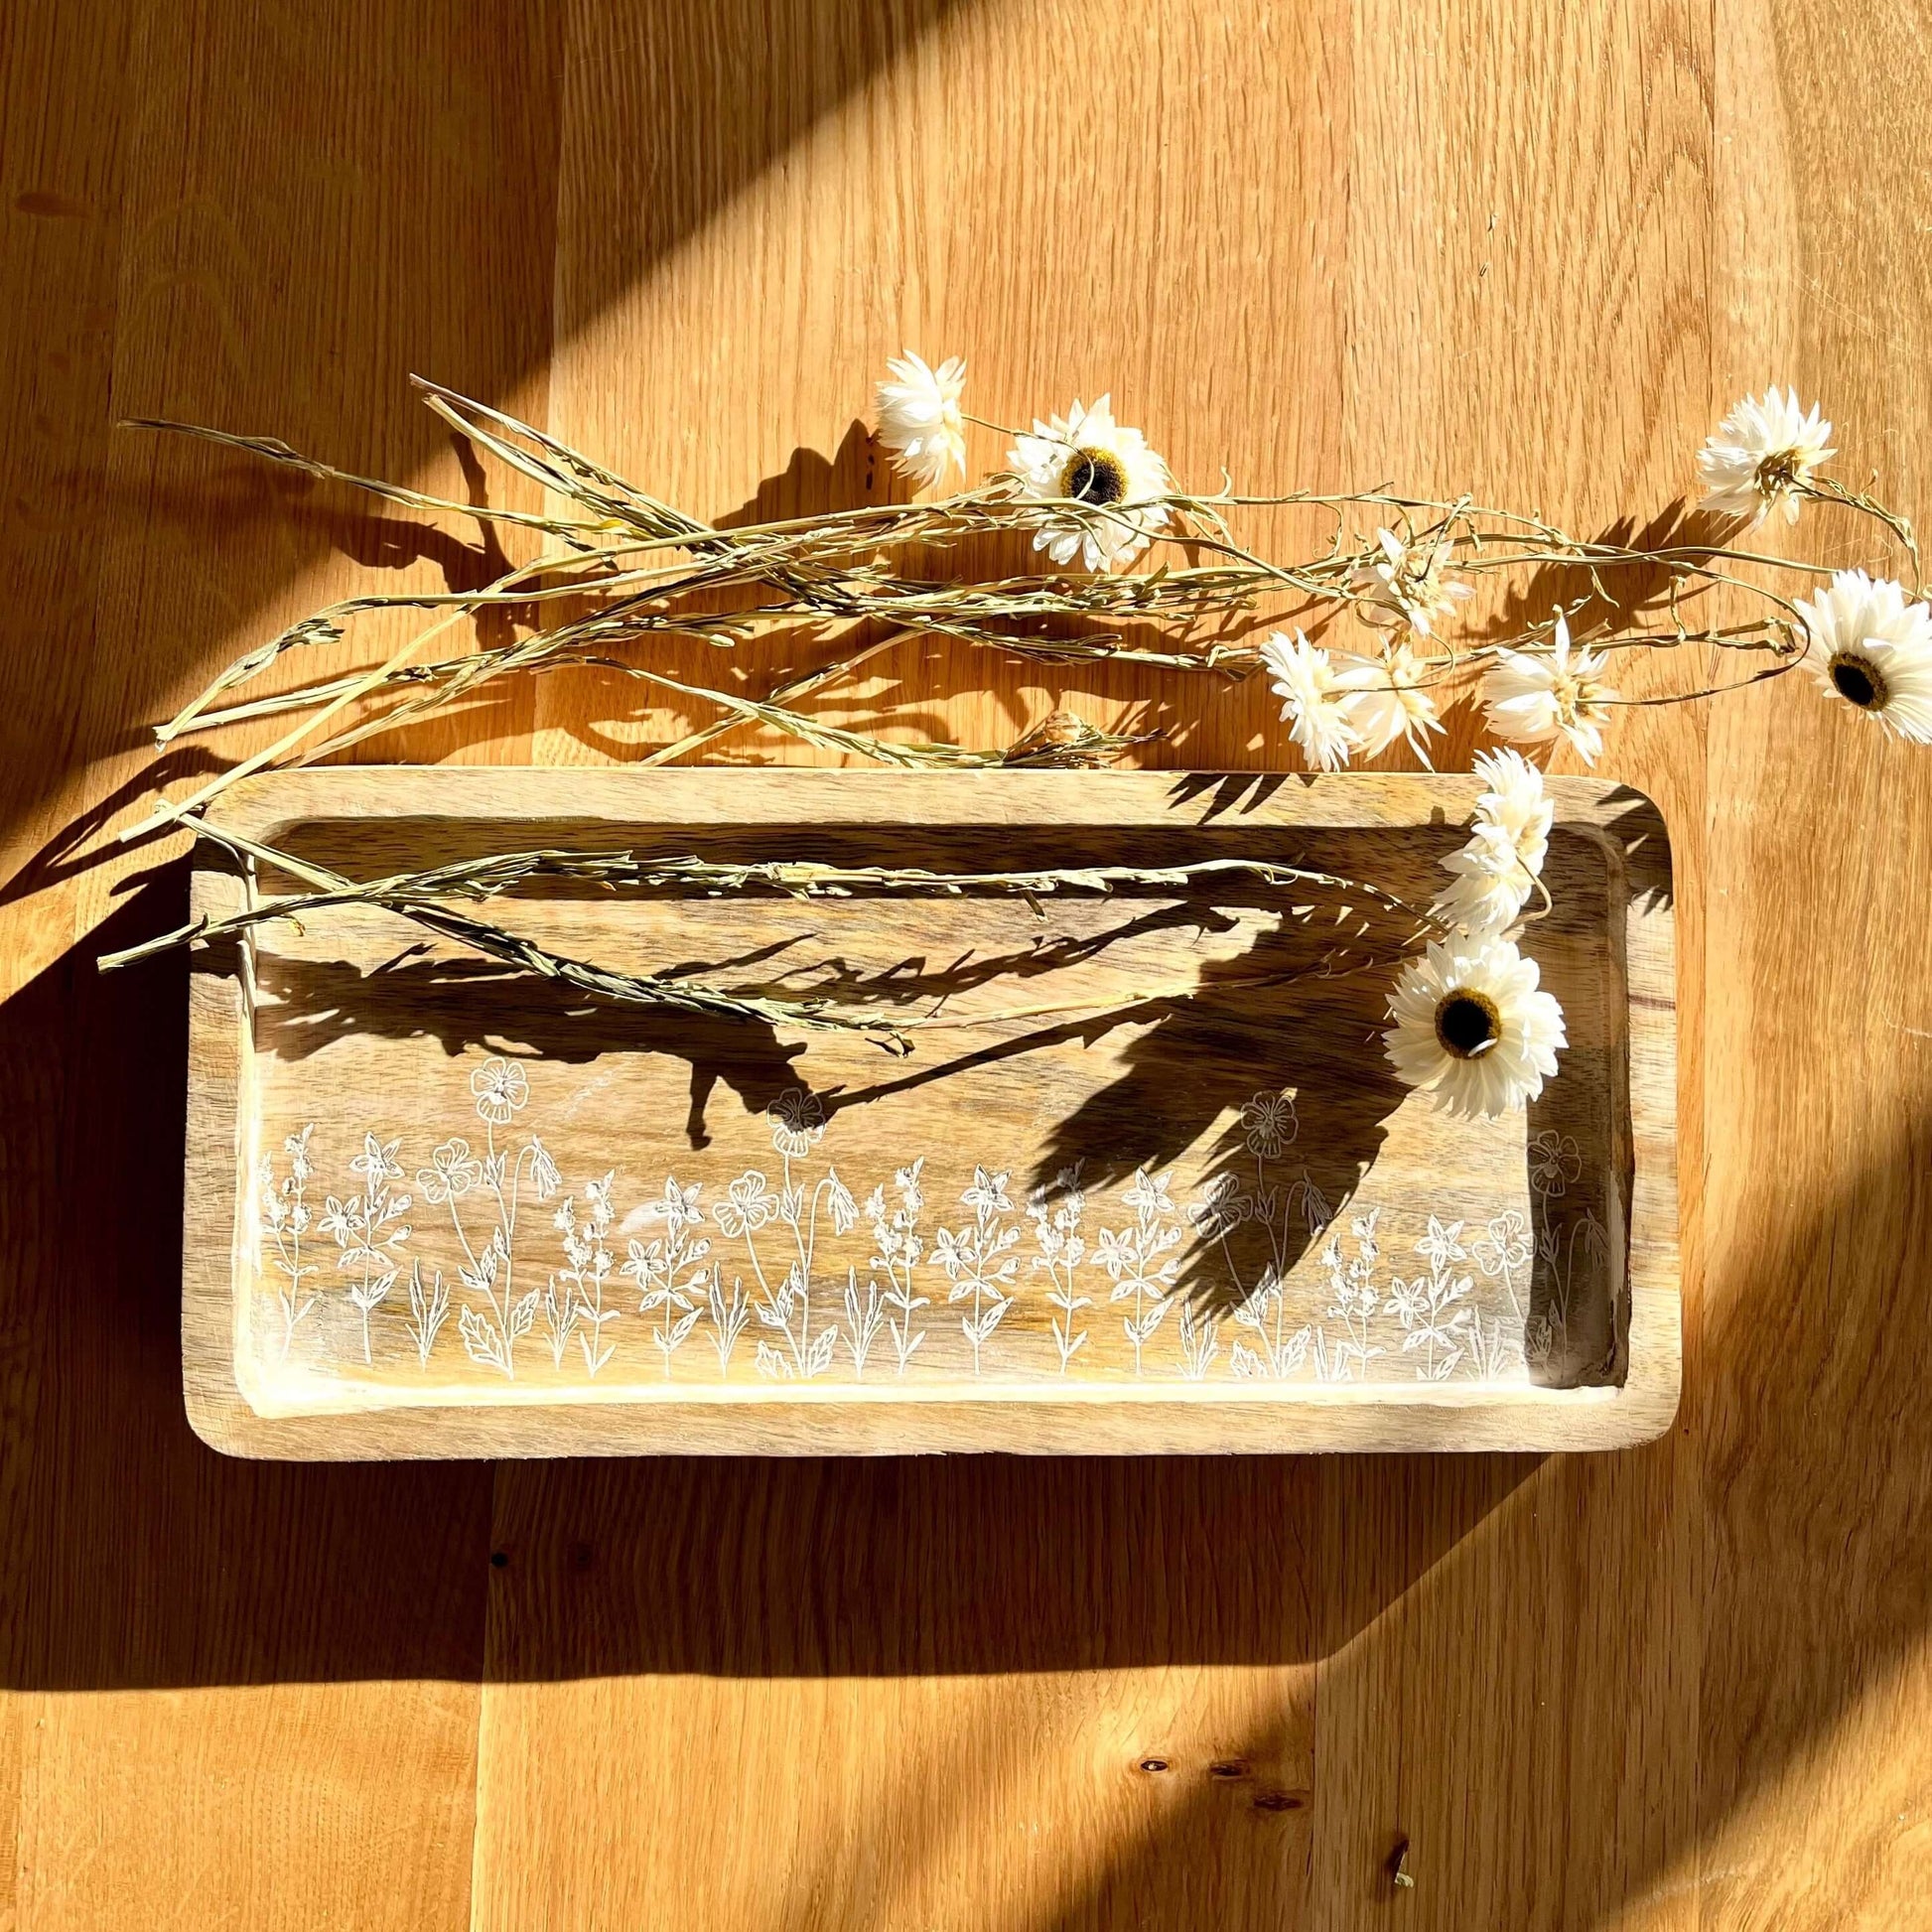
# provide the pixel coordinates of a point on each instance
(919, 419)
(749, 1204)
(1268, 1124)
(1505, 1247)
(1536, 696)
(1555, 1160)
(377, 1162)
(501, 1091)
(1763, 456)
(1147, 1195)
(1085, 457)
(1314, 699)
(1869, 647)
(678, 1207)
(1407, 584)
(451, 1173)
(987, 1193)
(1385, 700)
(797, 1121)
(1440, 1245)
(1473, 1028)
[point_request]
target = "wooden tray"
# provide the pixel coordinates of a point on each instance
(1217, 1223)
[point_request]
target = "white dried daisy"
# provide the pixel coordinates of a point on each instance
(919, 419)
(1473, 1028)
(1509, 838)
(1536, 696)
(1315, 700)
(1087, 457)
(1386, 700)
(1514, 800)
(1870, 647)
(1763, 454)
(1490, 884)
(1409, 584)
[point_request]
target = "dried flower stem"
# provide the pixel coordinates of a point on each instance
(416, 895)
(410, 897)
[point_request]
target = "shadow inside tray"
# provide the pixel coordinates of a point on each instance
(1284, 1036)
(462, 1003)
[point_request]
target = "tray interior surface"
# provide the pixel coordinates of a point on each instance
(461, 1187)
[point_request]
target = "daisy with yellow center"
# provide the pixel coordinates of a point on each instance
(919, 419)
(1534, 697)
(1087, 459)
(1762, 456)
(1865, 644)
(1472, 1028)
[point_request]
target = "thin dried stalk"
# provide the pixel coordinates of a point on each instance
(497, 874)
(841, 566)
(412, 897)
(419, 895)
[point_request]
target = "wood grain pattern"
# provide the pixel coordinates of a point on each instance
(1535, 249)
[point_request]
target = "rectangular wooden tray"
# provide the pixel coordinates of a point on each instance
(438, 1208)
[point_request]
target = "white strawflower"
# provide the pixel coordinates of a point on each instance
(919, 419)
(1872, 648)
(1088, 458)
(1514, 800)
(1509, 838)
(1315, 701)
(1407, 584)
(1385, 699)
(1473, 1028)
(1763, 454)
(1491, 885)
(1534, 696)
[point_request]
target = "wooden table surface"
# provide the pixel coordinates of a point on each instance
(1530, 249)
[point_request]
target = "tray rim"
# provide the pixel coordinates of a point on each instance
(1101, 1421)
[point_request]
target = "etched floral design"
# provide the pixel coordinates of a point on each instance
(896, 1247)
(501, 1089)
(749, 1206)
(674, 1279)
(1273, 1348)
(863, 1320)
(285, 1218)
(1554, 1163)
(1431, 1308)
(797, 1122)
(368, 1229)
(1056, 1213)
(1138, 1259)
(1199, 1342)
(573, 1299)
(1502, 1252)
(794, 1233)
(977, 1260)
(1353, 1303)
(1268, 1124)
(428, 1309)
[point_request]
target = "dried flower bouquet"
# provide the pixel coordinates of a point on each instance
(1141, 572)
